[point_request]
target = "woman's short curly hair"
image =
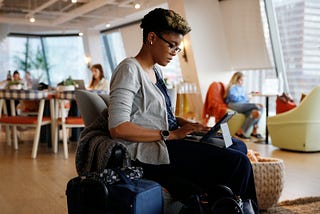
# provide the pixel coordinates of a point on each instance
(163, 20)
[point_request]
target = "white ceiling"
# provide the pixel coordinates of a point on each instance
(65, 15)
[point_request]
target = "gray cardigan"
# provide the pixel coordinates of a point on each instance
(134, 98)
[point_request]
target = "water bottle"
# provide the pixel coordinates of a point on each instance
(9, 77)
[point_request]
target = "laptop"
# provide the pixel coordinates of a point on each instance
(80, 85)
(211, 136)
(34, 84)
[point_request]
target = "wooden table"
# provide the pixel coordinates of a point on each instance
(36, 120)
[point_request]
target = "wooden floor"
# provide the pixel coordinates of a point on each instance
(38, 185)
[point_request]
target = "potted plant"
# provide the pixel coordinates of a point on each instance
(67, 85)
(15, 84)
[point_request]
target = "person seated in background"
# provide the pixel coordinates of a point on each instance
(16, 82)
(16, 77)
(28, 80)
(98, 81)
(141, 117)
(238, 100)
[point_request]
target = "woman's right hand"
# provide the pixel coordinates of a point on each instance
(186, 129)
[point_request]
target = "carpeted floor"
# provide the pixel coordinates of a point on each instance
(308, 205)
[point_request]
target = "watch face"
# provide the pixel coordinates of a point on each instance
(165, 133)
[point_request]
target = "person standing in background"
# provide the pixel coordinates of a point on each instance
(237, 100)
(98, 81)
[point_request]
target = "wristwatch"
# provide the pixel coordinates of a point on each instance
(164, 134)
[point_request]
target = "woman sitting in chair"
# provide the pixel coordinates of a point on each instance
(237, 100)
(141, 117)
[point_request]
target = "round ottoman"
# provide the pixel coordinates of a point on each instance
(269, 177)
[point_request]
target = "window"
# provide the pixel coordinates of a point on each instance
(114, 51)
(298, 25)
(49, 59)
(66, 57)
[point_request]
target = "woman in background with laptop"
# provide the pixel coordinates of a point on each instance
(98, 81)
(238, 100)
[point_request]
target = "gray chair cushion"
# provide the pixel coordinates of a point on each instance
(90, 105)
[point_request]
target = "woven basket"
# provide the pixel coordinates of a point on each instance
(269, 177)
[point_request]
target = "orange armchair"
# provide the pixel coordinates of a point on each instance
(215, 106)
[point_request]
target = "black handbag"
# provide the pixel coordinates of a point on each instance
(87, 196)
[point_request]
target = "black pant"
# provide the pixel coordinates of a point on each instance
(206, 166)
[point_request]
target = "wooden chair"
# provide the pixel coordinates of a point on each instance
(3, 113)
(36, 121)
(65, 121)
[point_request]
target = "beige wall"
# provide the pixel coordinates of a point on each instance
(132, 39)
(205, 46)
(209, 50)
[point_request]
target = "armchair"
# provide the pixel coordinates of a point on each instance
(214, 106)
(298, 129)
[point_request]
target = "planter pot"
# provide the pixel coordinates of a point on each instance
(65, 88)
(269, 178)
(16, 87)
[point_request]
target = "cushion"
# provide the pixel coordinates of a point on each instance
(90, 105)
(284, 103)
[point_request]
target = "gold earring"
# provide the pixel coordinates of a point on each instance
(151, 43)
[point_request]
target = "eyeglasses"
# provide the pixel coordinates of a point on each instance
(173, 48)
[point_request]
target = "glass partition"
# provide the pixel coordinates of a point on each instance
(49, 59)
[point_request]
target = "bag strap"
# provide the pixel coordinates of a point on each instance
(237, 206)
(122, 176)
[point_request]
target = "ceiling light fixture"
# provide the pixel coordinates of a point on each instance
(74, 1)
(108, 25)
(32, 19)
